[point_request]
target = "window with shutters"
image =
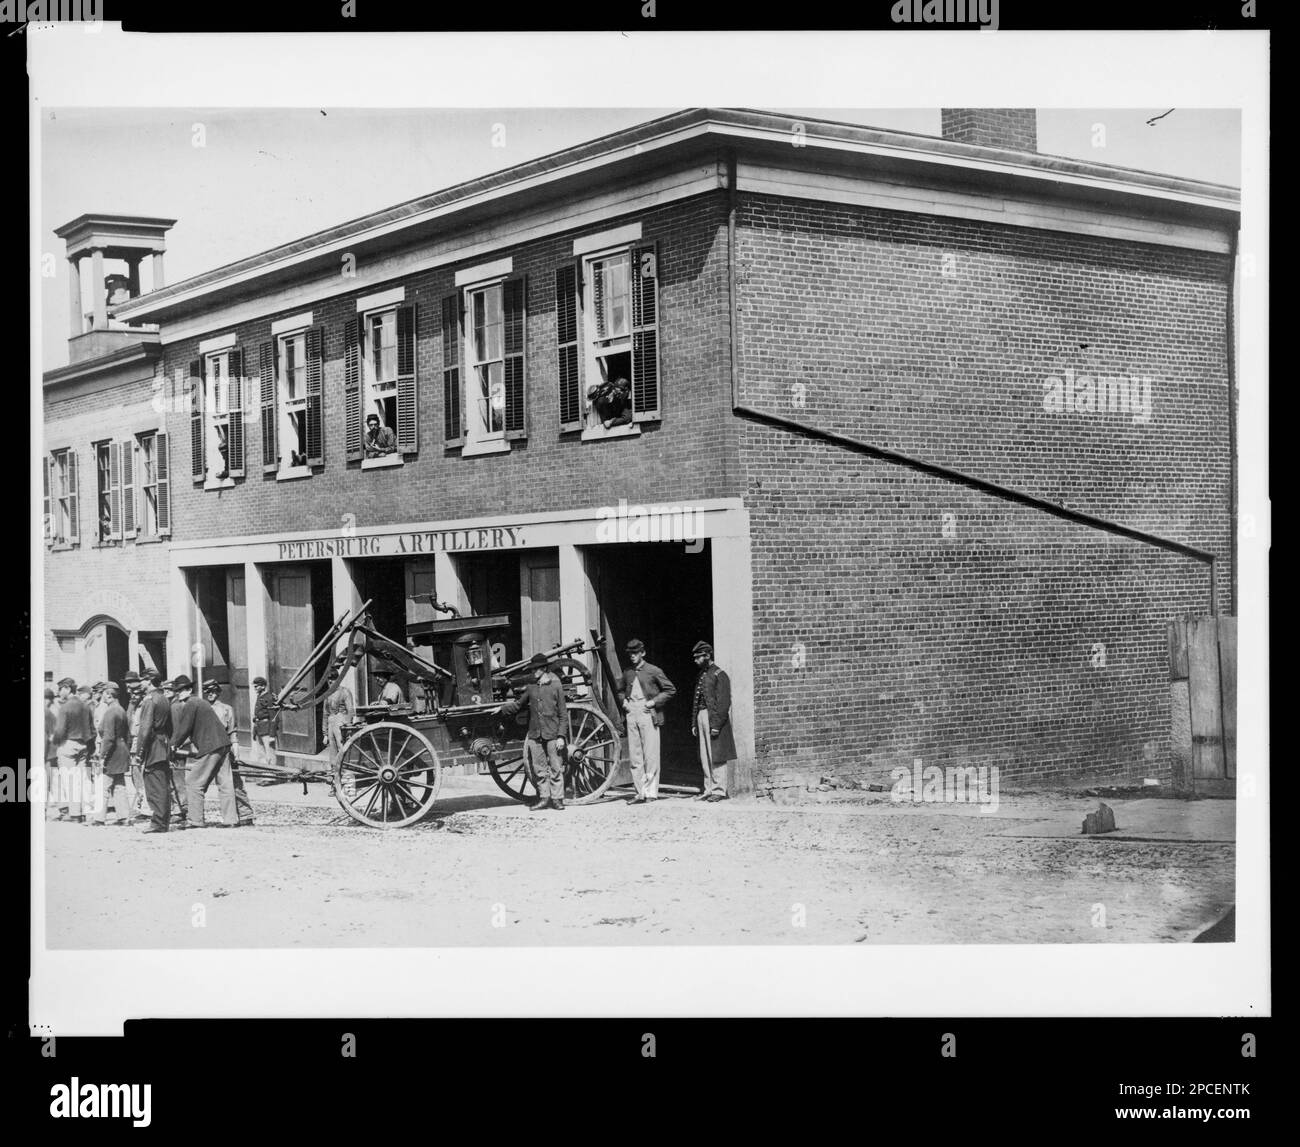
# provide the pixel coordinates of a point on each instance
(220, 399)
(62, 514)
(153, 517)
(291, 353)
(493, 396)
(485, 404)
(380, 408)
(105, 518)
(619, 340)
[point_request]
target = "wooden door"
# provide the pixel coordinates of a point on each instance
(237, 628)
(539, 601)
(289, 629)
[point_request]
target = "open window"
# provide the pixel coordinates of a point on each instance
(380, 387)
(489, 394)
(217, 419)
(105, 491)
(609, 361)
(292, 370)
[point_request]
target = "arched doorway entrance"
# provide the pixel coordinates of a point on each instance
(106, 649)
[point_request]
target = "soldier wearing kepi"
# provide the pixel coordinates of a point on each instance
(197, 723)
(115, 783)
(711, 723)
(155, 753)
(265, 719)
(226, 715)
(74, 734)
(643, 691)
(548, 722)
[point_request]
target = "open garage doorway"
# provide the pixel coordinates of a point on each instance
(660, 593)
(399, 591)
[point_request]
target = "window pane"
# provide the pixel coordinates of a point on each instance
(610, 296)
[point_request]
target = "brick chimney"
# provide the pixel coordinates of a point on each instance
(1013, 128)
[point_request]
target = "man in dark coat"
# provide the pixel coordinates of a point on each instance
(115, 783)
(548, 724)
(643, 691)
(199, 727)
(74, 736)
(711, 723)
(155, 753)
(266, 721)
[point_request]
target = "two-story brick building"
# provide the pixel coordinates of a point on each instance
(104, 467)
(925, 423)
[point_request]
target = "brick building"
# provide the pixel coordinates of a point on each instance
(931, 436)
(106, 496)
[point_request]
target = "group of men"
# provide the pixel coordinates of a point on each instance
(100, 753)
(644, 692)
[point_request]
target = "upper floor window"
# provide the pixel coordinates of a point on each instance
(217, 419)
(61, 516)
(380, 387)
(132, 491)
(104, 491)
(483, 327)
(607, 326)
(293, 372)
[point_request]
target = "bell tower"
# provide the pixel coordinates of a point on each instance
(105, 254)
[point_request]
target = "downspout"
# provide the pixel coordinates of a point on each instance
(731, 278)
(1232, 427)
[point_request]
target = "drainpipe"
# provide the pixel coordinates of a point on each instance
(731, 277)
(1232, 427)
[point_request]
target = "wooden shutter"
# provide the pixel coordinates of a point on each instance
(163, 474)
(115, 491)
(566, 337)
(353, 332)
(315, 343)
(45, 483)
(270, 445)
(408, 430)
(74, 515)
(645, 333)
(235, 407)
(453, 417)
(128, 488)
(197, 435)
(514, 305)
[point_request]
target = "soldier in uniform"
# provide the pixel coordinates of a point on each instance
(198, 725)
(548, 723)
(711, 723)
(643, 691)
(265, 719)
(212, 695)
(155, 752)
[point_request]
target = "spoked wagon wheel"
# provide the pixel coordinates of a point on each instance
(574, 676)
(594, 751)
(388, 775)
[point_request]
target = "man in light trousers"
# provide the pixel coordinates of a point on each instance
(643, 691)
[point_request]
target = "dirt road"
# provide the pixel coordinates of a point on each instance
(486, 872)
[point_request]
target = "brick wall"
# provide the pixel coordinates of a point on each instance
(78, 417)
(684, 456)
(975, 648)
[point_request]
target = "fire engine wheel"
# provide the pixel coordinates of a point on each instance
(388, 775)
(592, 754)
(574, 676)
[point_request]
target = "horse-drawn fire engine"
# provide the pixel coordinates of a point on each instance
(389, 771)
